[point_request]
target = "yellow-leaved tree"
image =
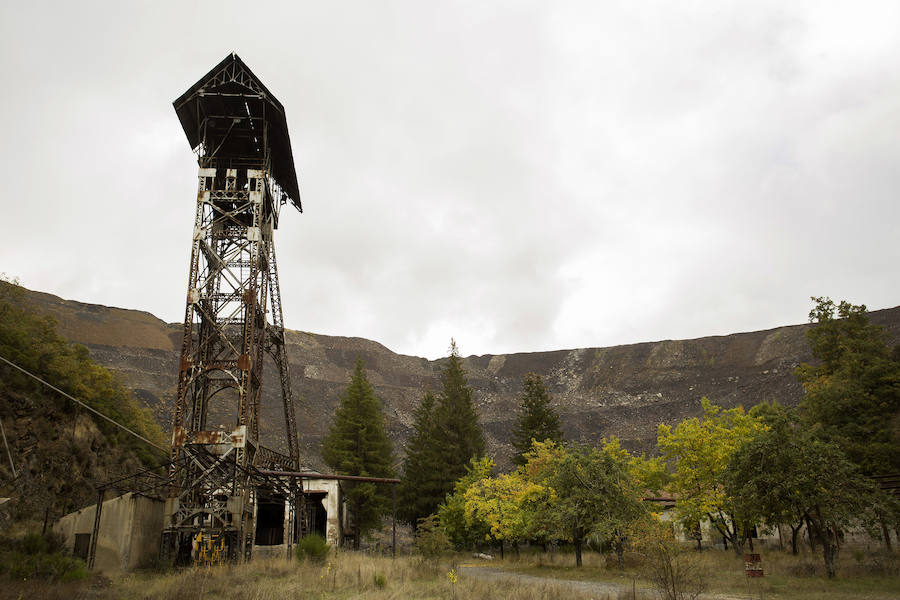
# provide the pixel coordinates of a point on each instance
(698, 451)
(463, 531)
(648, 477)
(507, 505)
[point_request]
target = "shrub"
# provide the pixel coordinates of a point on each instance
(379, 580)
(41, 557)
(312, 547)
(37, 543)
(33, 543)
(431, 541)
(672, 569)
(48, 567)
(75, 571)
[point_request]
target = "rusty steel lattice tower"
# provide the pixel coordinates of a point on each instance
(239, 132)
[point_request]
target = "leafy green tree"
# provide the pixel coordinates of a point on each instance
(698, 450)
(466, 530)
(593, 492)
(647, 476)
(788, 471)
(356, 444)
(854, 389)
(560, 493)
(537, 419)
(780, 419)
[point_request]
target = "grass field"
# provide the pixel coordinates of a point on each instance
(345, 575)
(860, 576)
(348, 575)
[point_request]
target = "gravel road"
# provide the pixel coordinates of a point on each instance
(601, 590)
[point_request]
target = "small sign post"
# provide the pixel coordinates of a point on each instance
(753, 565)
(753, 568)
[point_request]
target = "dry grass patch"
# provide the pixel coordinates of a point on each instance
(342, 575)
(346, 575)
(872, 576)
(34, 590)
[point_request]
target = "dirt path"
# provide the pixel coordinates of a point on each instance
(600, 589)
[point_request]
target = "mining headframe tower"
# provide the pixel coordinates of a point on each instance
(239, 133)
(224, 493)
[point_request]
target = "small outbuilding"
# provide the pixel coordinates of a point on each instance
(128, 535)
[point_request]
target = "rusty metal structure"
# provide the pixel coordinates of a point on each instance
(239, 133)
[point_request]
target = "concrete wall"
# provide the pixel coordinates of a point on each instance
(146, 532)
(332, 504)
(274, 551)
(711, 538)
(773, 536)
(129, 536)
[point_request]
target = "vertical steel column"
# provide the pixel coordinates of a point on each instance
(92, 551)
(279, 355)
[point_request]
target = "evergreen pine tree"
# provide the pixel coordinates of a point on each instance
(537, 419)
(458, 435)
(447, 435)
(420, 491)
(356, 444)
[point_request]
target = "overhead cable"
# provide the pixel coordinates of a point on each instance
(80, 403)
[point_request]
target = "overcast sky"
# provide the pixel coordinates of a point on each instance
(521, 176)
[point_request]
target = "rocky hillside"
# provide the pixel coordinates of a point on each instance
(54, 453)
(623, 390)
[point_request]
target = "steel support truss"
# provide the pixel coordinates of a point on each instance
(233, 283)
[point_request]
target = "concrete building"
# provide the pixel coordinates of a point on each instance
(131, 525)
(324, 515)
(129, 533)
(768, 536)
(325, 508)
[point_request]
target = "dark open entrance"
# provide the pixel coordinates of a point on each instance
(82, 545)
(316, 515)
(270, 520)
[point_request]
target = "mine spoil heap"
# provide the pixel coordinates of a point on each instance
(622, 390)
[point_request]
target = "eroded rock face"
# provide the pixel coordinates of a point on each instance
(623, 390)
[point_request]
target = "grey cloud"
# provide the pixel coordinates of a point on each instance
(517, 175)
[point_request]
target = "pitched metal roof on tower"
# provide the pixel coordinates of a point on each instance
(231, 90)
